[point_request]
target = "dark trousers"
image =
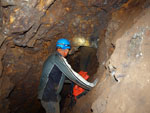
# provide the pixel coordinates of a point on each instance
(51, 107)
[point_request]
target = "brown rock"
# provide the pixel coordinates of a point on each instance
(5, 89)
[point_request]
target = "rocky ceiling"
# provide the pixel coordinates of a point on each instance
(29, 31)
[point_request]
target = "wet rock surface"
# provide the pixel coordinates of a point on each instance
(29, 31)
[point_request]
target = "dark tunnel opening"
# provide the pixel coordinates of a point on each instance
(84, 59)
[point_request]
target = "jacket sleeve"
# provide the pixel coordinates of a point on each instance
(63, 65)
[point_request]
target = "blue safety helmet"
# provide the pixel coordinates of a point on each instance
(63, 44)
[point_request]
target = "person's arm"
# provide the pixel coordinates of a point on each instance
(63, 65)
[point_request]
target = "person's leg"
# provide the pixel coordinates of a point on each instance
(57, 109)
(51, 107)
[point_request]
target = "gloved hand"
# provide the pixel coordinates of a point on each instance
(95, 82)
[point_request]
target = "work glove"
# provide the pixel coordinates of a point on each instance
(95, 82)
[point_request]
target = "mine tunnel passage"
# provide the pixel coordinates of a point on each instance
(29, 33)
(84, 59)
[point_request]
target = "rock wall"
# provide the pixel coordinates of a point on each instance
(123, 64)
(126, 86)
(30, 29)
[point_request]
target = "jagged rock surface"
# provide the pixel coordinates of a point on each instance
(123, 88)
(28, 34)
(129, 67)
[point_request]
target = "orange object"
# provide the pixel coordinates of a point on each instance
(77, 90)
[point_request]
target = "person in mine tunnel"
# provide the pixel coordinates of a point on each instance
(56, 71)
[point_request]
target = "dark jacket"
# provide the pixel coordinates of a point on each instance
(55, 70)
